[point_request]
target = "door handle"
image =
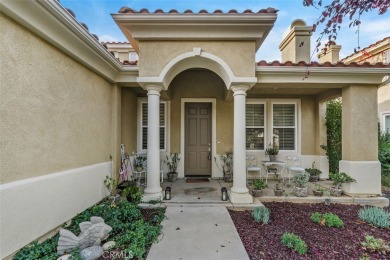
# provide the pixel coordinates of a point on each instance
(209, 156)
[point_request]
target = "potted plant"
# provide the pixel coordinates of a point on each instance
(278, 190)
(318, 191)
(258, 187)
(227, 166)
(314, 174)
(272, 151)
(139, 162)
(338, 180)
(300, 180)
(172, 160)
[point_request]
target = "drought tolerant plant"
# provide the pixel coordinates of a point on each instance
(375, 216)
(328, 219)
(294, 242)
(373, 244)
(261, 214)
(300, 179)
(340, 178)
(227, 166)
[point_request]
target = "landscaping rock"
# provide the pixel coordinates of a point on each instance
(108, 245)
(91, 253)
(64, 257)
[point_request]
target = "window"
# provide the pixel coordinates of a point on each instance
(284, 126)
(144, 125)
(133, 56)
(255, 126)
(386, 124)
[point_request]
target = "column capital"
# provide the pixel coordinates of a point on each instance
(239, 89)
(153, 89)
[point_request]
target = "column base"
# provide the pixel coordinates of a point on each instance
(367, 175)
(240, 198)
(146, 197)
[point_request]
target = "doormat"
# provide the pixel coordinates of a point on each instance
(197, 180)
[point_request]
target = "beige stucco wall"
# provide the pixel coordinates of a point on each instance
(201, 84)
(129, 119)
(240, 56)
(308, 126)
(55, 113)
(359, 123)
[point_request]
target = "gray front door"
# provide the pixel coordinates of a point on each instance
(197, 139)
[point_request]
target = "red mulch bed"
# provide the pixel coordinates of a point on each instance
(263, 241)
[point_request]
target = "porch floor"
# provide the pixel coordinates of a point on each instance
(209, 194)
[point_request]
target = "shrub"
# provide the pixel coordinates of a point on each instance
(328, 219)
(375, 216)
(133, 194)
(384, 156)
(333, 133)
(259, 184)
(261, 214)
(375, 245)
(294, 242)
(129, 230)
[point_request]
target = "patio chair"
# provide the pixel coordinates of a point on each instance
(293, 166)
(162, 170)
(251, 165)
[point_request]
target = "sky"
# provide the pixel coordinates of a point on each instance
(96, 14)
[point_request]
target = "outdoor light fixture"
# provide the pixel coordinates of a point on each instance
(168, 193)
(224, 195)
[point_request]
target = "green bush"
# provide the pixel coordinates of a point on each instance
(333, 133)
(133, 194)
(375, 216)
(375, 245)
(328, 219)
(129, 230)
(261, 214)
(384, 157)
(294, 242)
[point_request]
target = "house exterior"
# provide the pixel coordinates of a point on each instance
(377, 52)
(67, 105)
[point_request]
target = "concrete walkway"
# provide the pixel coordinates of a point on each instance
(198, 233)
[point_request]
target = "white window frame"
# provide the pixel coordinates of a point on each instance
(383, 120)
(268, 128)
(287, 102)
(260, 102)
(142, 101)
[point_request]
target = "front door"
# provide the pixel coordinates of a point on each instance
(197, 139)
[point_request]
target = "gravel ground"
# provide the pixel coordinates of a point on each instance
(263, 241)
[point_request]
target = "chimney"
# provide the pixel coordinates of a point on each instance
(295, 45)
(330, 53)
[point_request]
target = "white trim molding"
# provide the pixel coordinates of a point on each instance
(213, 101)
(196, 59)
(32, 207)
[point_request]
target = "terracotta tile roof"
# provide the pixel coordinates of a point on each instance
(128, 10)
(366, 48)
(276, 63)
(115, 43)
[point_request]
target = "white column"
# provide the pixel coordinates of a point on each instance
(153, 189)
(239, 192)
